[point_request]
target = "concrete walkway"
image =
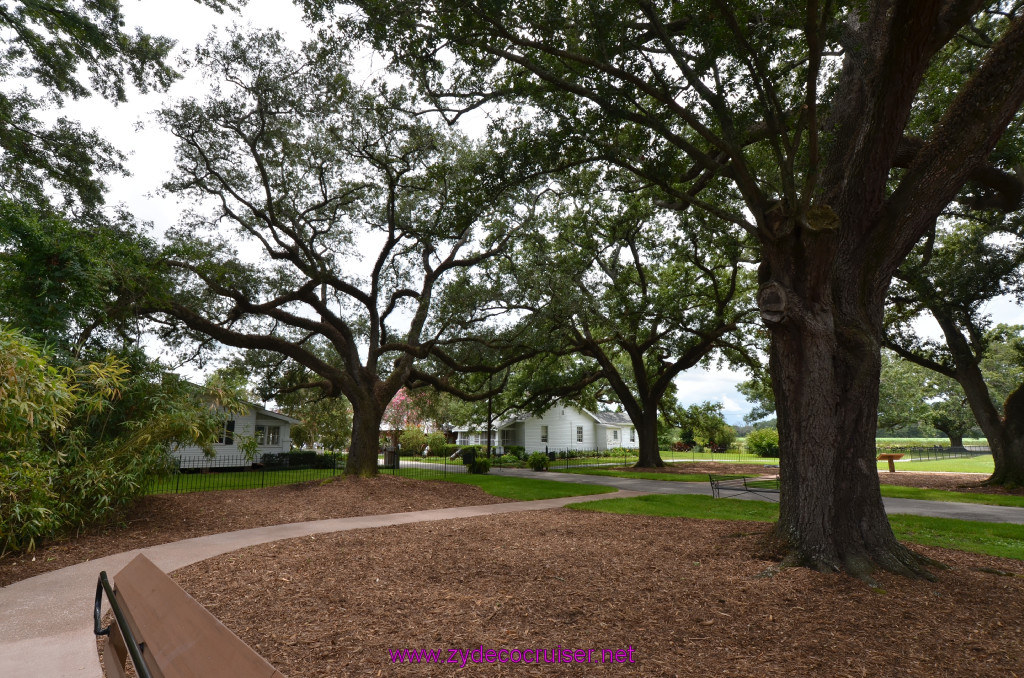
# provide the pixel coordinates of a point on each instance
(46, 621)
(46, 626)
(937, 509)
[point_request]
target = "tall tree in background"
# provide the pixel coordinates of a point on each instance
(911, 396)
(951, 277)
(336, 217)
(643, 295)
(803, 110)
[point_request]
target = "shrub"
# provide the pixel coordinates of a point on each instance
(444, 450)
(470, 450)
(517, 451)
(412, 440)
(763, 442)
(721, 439)
(538, 461)
(437, 443)
(479, 465)
(78, 444)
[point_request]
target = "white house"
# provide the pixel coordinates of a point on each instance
(272, 431)
(562, 427)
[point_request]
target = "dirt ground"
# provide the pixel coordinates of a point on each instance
(691, 598)
(159, 519)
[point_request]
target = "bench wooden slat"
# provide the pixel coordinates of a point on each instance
(180, 637)
(114, 653)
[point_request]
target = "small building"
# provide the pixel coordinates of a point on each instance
(561, 427)
(271, 430)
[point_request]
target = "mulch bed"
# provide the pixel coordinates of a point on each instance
(693, 598)
(159, 519)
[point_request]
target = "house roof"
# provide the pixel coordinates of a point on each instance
(604, 418)
(613, 418)
(273, 415)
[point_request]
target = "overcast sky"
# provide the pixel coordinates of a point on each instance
(132, 129)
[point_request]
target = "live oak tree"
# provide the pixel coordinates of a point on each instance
(334, 217)
(803, 110)
(911, 396)
(641, 294)
(951, 277)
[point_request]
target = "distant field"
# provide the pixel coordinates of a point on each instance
(924, 442)
(982, 464)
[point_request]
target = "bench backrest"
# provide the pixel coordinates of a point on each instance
(178, 636)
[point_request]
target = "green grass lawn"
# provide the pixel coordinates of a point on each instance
(1005, 540)
(981, 464)
(924, 442)
(887, 490)
(946, 495)
(644, 475)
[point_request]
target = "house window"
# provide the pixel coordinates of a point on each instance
(543, 434)
(268, 435)
(227, 433)
(506, 437)
(579, 434)
(615, 435)
(632, 435)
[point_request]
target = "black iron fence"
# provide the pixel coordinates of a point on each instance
(937, 452)
(203, 474)
(422, 468)
(563, 459)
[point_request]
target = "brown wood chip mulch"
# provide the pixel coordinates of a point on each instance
(692, 598)
(160, 519)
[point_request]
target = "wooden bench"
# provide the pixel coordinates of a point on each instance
(890, 457)
(734, 485)
(166, 632)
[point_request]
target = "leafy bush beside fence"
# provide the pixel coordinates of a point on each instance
(763, 442)
(78, 443)
(539, 461)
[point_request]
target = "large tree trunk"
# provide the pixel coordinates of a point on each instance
(1009, 463)
(647, 437)
(362, 453)
(824, 303)
(830, 513)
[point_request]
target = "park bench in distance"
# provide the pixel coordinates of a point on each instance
(734, 485)
(166, 632)
(890, 457)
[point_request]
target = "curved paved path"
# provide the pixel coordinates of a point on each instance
(919, 507)
(46, 621)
